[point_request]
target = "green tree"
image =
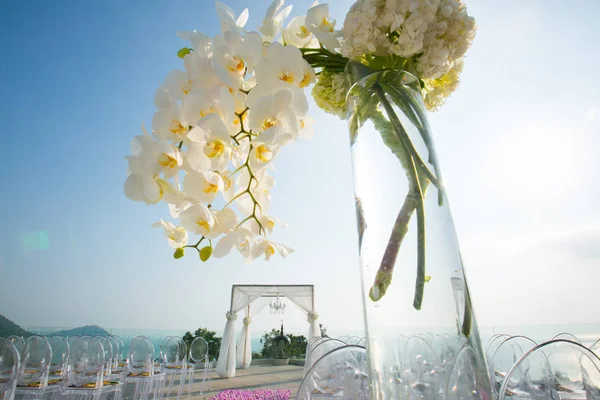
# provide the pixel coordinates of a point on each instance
(297, 347)
(214, 341)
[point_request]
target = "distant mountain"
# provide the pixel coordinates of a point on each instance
(8, 328)
(90, 330)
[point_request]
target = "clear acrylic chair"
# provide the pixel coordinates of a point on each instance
(313, 342)
(18, 341)
(319, 350)
(353, 340)
(112, 387)
(9, 369)
(341, 374)
(423, 375)
(71, 340)
(463, 381)
(493, 344)
(505, 356)
(595, 347)
(567, 336)
(175, 367)
(116, 365)
(59, 364)
(142, 381)
(558, 369)
(36, 356)
(85, 376)
(199, 363)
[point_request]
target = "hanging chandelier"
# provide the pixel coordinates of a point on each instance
(277, 306)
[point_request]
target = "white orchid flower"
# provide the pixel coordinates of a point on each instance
(306, 127)
(210, 145)
(271, 25)
(201, 43)
(198, 219)
(200, 71)
(145, 188)
(176, 235)
(297, 34)
(203, 186)
(228, 184)
(323, 27)
(167, 125)
(153, 157)
(178, 84)
(241, 238)
(148, 160)
(273, 112)
(268, 249)
(202, 102)
(227, 220)
(234, 55)
(228, 19)
(284, 67)
(266, 147)
(268, 222)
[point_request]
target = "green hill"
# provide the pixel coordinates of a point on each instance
(91, 330)
(8, 328)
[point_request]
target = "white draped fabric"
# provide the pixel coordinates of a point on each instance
(242, 297)
(244, 346)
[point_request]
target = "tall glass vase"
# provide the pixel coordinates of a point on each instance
(423, 341)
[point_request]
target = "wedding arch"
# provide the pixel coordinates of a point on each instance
(242, 297)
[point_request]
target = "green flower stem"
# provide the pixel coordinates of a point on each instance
(417, 195)
(402, 99)
(403, 135)
(467, 322)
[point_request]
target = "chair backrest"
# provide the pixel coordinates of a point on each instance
(463, 379)
(60, 358)
(9, 369)
(505, 356)
(320, 350)
(86, 364)
(595, 347)
(36, 357)
(312, 343)
(18, 341)
(353, 340)
(567, 336)
(108, 354)
(340, 373)
(493, 344)
(423, 368)
(199, 350)
(140, 358)
(174, 352)
(558, 369)
(116, 349)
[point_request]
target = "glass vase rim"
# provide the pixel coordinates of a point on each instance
(362, 72)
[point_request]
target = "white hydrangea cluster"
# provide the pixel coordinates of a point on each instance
(330, 93)
(219, 125)
(433, 34)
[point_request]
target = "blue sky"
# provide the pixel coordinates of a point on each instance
(517, 144)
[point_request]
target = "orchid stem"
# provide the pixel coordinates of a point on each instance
(417, 194)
